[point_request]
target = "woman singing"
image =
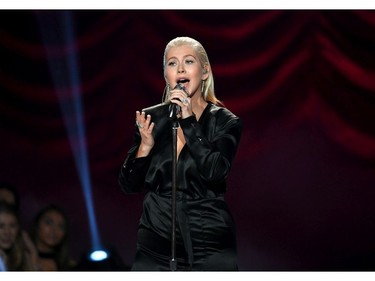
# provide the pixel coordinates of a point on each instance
(208, 135)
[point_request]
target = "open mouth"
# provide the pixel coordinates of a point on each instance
(183, 81)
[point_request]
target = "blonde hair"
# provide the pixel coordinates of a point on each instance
(208, 91)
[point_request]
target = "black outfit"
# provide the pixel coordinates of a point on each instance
(205, 234)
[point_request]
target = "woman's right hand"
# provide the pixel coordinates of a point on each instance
(145, 127)
(31, 251)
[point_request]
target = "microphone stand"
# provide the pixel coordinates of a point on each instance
(174, 109)
(173, 261)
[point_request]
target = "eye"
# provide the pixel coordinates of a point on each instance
(189, 61)
(171, 63)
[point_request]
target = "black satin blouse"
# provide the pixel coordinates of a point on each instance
(205, 231)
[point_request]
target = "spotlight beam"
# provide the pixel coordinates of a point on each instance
(58, 34)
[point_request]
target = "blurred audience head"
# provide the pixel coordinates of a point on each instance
(10, 235)
(9, 194)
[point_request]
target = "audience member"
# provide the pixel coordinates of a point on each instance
(50, 235)
(17, 252)
(9, 194)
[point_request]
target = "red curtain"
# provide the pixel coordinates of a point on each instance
(302, 81)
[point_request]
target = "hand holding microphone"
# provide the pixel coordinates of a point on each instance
(178, 98)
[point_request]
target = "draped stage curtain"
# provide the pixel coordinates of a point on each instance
(303, 82)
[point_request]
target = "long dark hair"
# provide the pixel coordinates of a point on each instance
(16, 259)
(61, 251)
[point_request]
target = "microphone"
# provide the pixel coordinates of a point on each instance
(174, 109)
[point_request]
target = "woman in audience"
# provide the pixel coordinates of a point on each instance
(50, 235)
(9, 194)
(17, 252)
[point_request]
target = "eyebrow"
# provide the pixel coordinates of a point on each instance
(182, 57)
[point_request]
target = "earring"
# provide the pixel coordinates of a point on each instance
(202, 89)
(165, 93)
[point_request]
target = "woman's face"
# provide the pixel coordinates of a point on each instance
(9, 229)
(51, 229)
(183, 67)
(7, 196)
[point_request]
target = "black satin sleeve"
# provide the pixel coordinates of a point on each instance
(214, 146)
(133, 172)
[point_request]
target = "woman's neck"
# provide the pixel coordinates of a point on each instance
(44, 248)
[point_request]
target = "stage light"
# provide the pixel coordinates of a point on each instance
(98, 255)
(102, 259)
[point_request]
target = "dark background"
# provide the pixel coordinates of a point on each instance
(303, 82)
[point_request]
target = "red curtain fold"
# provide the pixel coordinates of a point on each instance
(286, 73)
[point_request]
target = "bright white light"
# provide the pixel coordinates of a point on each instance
(98, 255)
